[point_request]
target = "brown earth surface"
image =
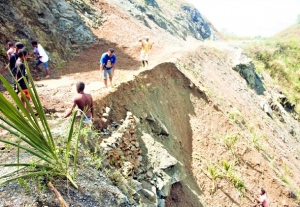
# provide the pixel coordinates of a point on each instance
(195, 108)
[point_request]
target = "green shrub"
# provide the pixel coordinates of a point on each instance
(214, 174)
(238, 183)
(34, 137)
(281, 59)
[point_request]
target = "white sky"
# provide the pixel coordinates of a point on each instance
(249, 17)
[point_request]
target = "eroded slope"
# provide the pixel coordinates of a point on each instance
(202, 115)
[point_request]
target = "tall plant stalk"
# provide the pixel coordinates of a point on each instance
(34, 136)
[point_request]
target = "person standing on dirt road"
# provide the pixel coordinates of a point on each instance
(262, 201)
(14, 57)
(20, 76)
(11, 49)
(146, 46)
(84, 102)
(42, 57)
(108, 65)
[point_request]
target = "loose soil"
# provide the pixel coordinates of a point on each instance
(194, 107)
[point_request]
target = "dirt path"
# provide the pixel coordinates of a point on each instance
(224, 87)
(57, 92)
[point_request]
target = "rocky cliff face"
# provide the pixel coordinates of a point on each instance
(54, 24)
(64, 27)
(178, 18)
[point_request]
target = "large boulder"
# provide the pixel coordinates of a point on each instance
(55, 24)
(178, 19)
(244, 66)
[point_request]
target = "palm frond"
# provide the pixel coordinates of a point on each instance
(33, 136)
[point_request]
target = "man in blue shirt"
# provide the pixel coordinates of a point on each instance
(108, 65)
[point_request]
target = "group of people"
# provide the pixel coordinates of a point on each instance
(17, 54)
(108, 61)
(84, 101)
(38, 50)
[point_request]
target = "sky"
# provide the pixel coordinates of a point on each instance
(249, 17)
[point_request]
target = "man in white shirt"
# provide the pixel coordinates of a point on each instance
(42, 57)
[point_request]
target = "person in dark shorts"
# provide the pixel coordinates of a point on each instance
(11, 49)
(14, 57)
(20, 77)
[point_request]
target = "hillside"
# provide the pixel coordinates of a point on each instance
(164, 134)
(279, 58)
(289, 33)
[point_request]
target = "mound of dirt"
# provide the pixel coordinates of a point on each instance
(204, 112)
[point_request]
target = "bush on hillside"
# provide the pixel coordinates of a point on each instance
(281, 59)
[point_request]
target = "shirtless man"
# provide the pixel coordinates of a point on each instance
(84, 102)
(11, 49)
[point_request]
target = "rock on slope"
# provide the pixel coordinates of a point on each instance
(53, 23)
(186, 110)
(64, 27)
(178, 18)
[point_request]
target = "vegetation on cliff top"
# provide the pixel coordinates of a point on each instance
(280, 57)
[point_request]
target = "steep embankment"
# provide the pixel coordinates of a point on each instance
(188, 132)
(207, 128)
(201, 115)
(290, 32)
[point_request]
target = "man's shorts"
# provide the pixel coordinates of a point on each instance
(87, 118)
(88, 121)
(26, 93)
(107, 72)
(144, 56)
(45, 64)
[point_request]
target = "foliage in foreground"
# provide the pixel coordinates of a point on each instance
(34, 137)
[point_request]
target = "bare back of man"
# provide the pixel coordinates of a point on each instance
(85, 103)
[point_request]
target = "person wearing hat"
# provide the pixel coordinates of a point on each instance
(146, 46)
